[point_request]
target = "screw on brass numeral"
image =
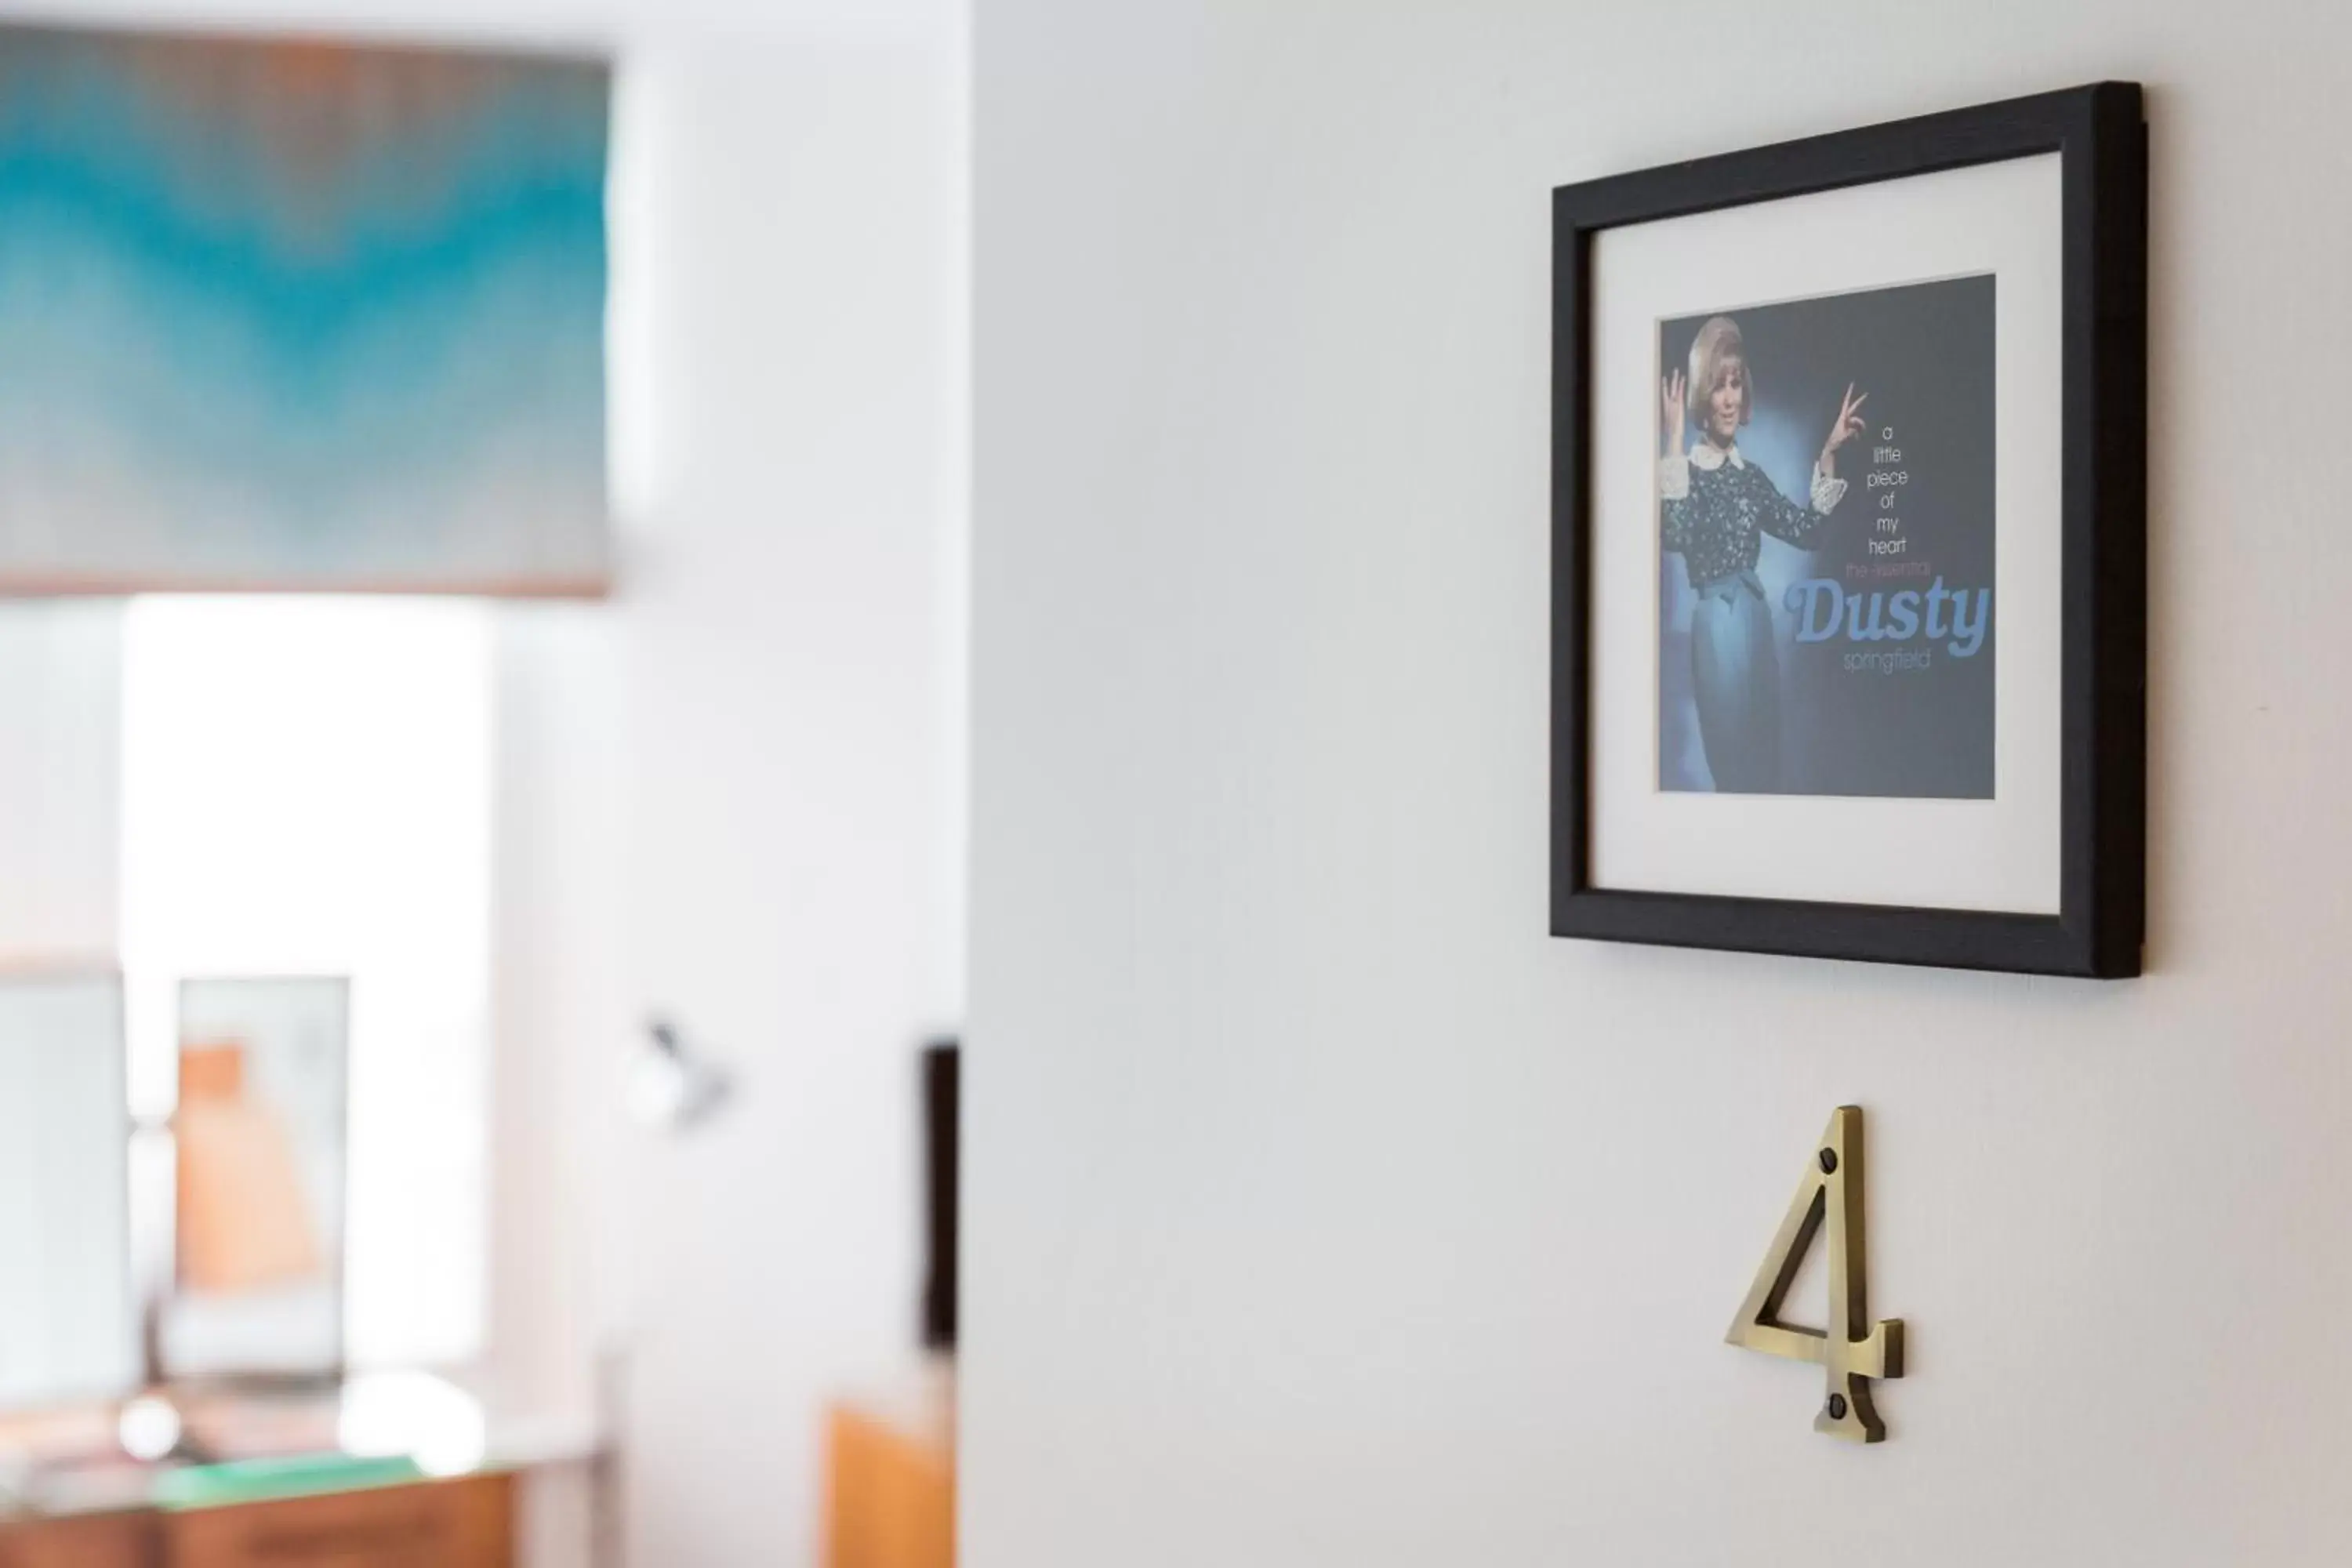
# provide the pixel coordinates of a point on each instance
(1830, 1194)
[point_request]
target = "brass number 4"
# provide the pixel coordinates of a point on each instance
(1831, 1190)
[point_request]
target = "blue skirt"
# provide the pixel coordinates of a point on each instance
(1737, 679)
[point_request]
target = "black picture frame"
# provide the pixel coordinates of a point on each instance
(2101, 135)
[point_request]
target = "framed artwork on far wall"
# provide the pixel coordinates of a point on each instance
(261, 1154)
(1848, 544)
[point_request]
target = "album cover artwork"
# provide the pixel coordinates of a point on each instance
(1826, 611)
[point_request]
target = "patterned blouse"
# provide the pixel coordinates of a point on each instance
(1715, 505)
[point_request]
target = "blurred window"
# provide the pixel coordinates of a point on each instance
(307, 790)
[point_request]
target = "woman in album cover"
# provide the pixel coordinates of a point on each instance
(1714, 508)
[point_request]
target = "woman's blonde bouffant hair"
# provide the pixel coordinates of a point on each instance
(1716, 341)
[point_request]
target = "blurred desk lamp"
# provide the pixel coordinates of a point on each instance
(672, 1088)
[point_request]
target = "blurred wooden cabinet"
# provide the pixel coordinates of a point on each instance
(890, 1488)
(438, 1524)
(100, 1540)
(466, 1523)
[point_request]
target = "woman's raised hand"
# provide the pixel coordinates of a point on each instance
(1670, 410)
(1849, 421)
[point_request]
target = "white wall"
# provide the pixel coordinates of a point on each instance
(1322, 1209)
(731, 794)
(786, 667)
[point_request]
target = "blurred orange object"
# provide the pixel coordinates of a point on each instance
(891, 1488)
(215, 1071)
(243, 1223)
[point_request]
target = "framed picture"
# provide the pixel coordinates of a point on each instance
(260, 1151)
(1848, 518)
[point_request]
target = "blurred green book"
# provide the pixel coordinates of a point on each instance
(264, 1480)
